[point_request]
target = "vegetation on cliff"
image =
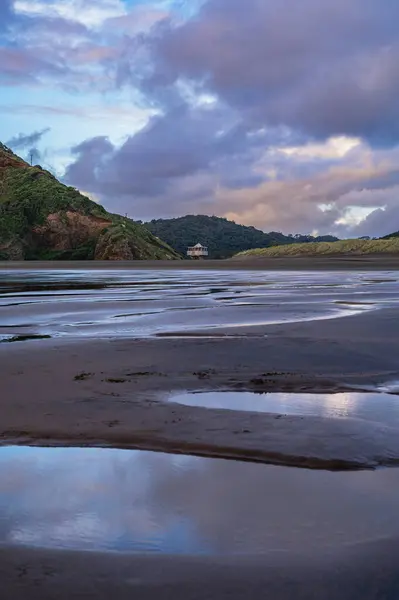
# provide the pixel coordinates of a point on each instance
(40, 218)
(224, 238)
(342, 247)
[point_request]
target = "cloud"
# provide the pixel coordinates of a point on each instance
(77, 45)
(91, 13)
(47, 45)
(380, 222)
(28, 142)
(324, 68)
(23, 141)
(20, 66)
(157, 154)
(282, 115)
(140, 18)
(84, 172)
(206, 143)
(157, 174)
(317, 203)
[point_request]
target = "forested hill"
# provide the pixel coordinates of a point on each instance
(224, 238)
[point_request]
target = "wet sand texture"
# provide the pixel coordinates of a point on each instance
(351, 262)
(116, 403)
(359, 572)
(139, 304)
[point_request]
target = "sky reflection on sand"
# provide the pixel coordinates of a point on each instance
(123, 500)
(123, 303)
(371, 406)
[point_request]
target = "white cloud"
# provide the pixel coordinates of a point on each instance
(194, 96)
(354, 215)
(91, 13)
(334, 147)
(139, 19)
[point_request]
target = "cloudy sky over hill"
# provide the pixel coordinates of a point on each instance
(282, 114)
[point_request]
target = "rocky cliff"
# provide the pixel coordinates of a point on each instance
(42, 219)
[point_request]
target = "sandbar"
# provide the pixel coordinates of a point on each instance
(109, 392)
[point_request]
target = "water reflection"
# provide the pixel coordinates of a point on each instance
(148, 302)
(141, 501)
(376, 407)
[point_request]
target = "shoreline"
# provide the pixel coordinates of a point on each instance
(313, 263)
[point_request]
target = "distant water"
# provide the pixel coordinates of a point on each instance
(131, 303)
(129, 501)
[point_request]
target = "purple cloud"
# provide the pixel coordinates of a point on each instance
(233, 86)
(324, 68)
(23, 141)
(40, 48)
(184, 142)
(90, 157)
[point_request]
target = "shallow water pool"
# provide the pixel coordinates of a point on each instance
(377, 407)
(131, 501)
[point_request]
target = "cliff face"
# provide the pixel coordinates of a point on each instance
(67, 230)
(40, 218)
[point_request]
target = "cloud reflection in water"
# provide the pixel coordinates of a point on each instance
(123, 500)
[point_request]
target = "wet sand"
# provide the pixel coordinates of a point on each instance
(357, 572)
(314, 263)
(133, 304)
(365, 568)
(88, 392)
(107, 392)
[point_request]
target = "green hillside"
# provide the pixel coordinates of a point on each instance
(224, 238)
(42, 219)
(342, 247)
(391, 235)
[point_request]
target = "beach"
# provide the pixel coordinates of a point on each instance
(363, 262)
(362, 573)
(115, 401)
(101, 385)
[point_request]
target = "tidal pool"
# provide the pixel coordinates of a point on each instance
(131, 501)
(378, 407)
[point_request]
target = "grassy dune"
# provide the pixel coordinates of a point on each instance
(343, 247)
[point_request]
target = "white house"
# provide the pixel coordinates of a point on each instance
(198, 251)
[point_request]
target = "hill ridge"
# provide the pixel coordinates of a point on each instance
(224, 238)
(43, 219)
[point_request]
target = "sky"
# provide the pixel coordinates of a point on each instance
(281, 114)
